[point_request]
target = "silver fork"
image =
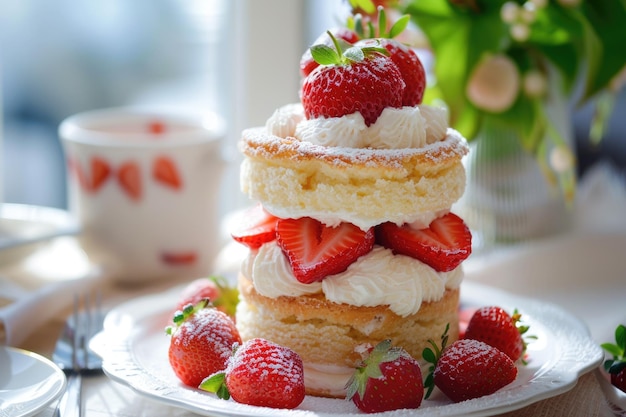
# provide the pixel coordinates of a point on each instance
(73, 355)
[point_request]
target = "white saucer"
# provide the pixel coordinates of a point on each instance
(28, 382)
(22, 224)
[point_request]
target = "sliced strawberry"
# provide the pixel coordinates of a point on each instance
(129, 178)
(443, 245)
(316, 251)
(255, 228)
(100, 171)
(165, 171)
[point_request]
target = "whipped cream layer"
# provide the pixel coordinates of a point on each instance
(395, 128)
(378, 278)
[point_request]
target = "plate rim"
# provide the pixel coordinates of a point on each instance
(47, 397)
(128, 371)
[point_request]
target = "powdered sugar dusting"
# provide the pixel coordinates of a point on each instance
(270, 363)
(257, 143)
(211, 326)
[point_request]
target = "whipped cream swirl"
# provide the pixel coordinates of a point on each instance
(377, 278)
(395, 128)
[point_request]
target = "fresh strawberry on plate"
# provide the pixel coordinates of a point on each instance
(388, 379)
(360, 79)
(201, 341)
(215, 288)
(494, 326)
(315, 250)
(467, 369)
(443, 245)
(260, 373)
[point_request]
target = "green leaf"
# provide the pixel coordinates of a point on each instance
(429, 356)
(216, 384)
(612, 349)
(399, 26)
(324, 54)
(606, 18)
(620, 337)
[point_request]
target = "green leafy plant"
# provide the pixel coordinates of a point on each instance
(499, 61)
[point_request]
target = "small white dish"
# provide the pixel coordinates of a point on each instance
(22, 224)
(28, 382)
(134, 350)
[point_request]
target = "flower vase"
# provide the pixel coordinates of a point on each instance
(510, 195)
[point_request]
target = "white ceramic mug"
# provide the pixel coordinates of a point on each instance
(145, 188)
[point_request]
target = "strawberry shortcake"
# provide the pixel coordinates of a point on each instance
(352, 240)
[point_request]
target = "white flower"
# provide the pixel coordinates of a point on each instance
(494, 84)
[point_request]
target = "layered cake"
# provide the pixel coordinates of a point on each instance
(352, 240)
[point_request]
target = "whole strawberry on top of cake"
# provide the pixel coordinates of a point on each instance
(352, 240)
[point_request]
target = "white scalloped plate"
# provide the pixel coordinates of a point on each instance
(134, 349)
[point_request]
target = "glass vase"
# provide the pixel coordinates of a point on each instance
(510, 195)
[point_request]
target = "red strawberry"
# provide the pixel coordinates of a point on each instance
(497, 328)
(100, 171)
(308, 64)
(261, 373)
(410, 67)
(214, 288)
(362, 79)
(201, 342)
(470, 369)
(467, 369)
(129, 179)
(164, 170)
(255, 228)
(616, 366)
(389, 379)
(443, 245)
(316, 251)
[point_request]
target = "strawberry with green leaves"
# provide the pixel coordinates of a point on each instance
(494, 326)
(260, 373)
(360, 79)
(388, 379)
(201, 341)
(216, 289)
(443, 245)
(616, 367)
(315, 250)
(467, 369)
(403, 56)
(344, 36)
